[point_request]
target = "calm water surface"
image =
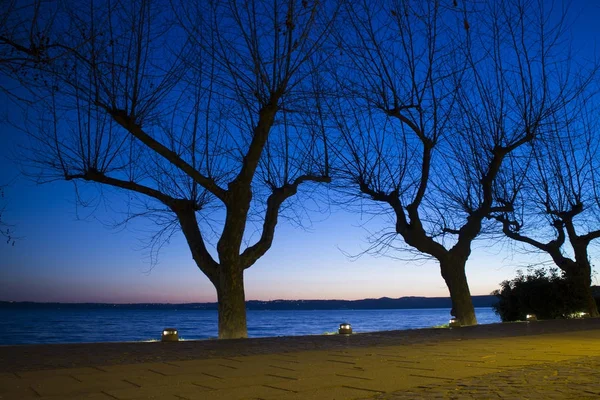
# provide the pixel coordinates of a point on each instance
(124, 325)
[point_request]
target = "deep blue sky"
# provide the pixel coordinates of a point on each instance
(66, 253)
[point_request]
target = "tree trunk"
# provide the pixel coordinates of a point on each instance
(579, 278)
(453, 272)
(232, 304)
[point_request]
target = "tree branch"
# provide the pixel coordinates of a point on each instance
(259, 138)
(184, 209)
(588, 237)
(186, 214)
(128, 122)
(274, 202)
(511, 228)
(99, 177)
(451, 231)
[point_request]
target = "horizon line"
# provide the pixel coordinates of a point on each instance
(216, 302)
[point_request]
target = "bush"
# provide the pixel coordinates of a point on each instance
(542, 292)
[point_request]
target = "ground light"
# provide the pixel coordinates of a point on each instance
(530, 317)
(345, 329)
(454, 323)
(169, 335)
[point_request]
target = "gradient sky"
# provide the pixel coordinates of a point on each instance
(67, 253)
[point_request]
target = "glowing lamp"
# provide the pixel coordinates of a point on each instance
(530, 317)
(454, 323)
(582, 314)
(169, 335)
(345, 329)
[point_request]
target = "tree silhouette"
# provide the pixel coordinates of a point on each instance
(436, 100)
(204, 112)
(6, 229)
(24, 45)
(556, 208)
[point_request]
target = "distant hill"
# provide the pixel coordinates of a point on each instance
(365, 304)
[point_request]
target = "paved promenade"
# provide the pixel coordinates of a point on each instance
(537, 360)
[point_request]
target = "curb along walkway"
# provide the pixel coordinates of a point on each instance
(540, 360)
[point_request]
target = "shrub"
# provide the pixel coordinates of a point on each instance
(542, 292)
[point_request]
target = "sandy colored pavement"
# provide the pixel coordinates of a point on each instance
(537, 360)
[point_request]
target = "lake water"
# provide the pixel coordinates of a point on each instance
(29, 326)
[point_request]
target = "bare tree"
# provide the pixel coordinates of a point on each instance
(556, 208)
(438, 96)
(23, 44)
(204, 111)
(30, 38)
(6, 229)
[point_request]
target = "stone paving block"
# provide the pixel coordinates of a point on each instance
(58, 385)
(154, 380)
(281, 360)
(240, 393)
(209, 366)
(57, 372)
(386, 379)
(348, 356)
(376, 355)
(8, 381)
(453, 370)
(209, 382)
(81, 396)
(464, 353)
(311, 356)
(395, 353)
(110, 376)
(126, 379)
(542, 358)
(144, 378)
(205, 381)
(305, 370)
(332, 393)
(398, 383)
(249, 370)
(386, 372)
(153, 392)
(91, 383)
(124, 369)
(18, 392)
(397, 365)
(49, 373)
(165, 369)
(381, 362)
(253, 359)
(313, 382)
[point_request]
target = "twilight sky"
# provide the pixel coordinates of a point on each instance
(67, 253)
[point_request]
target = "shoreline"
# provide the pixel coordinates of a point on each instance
(64, 327)
(19, 358)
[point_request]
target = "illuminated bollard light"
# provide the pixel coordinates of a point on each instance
(169, 335)
(345, 329)
(454, 323)
(530, 317)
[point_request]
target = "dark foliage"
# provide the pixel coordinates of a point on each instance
(545, 293)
